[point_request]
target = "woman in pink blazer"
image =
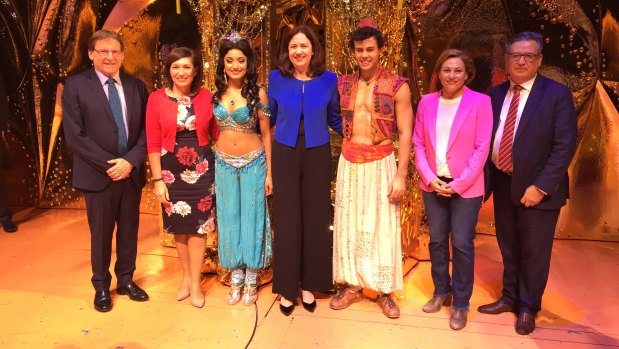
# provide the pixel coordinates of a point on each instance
(452, 139)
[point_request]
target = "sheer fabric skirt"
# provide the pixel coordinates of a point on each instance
(367, 248)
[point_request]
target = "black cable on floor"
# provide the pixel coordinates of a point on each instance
(251, 338)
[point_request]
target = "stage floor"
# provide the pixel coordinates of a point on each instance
(46, 301)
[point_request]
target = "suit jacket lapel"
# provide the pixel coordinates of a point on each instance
(100, 96)
(534, 99)
(128, 92)
(463, 110)
(497, 105)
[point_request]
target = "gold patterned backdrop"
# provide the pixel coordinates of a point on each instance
(44, 41)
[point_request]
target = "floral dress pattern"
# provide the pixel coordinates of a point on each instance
(189, 174)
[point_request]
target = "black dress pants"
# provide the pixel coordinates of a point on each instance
(303, 242)
(525, 237)
(5, 213)
(116, 205)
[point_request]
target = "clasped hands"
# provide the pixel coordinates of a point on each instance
(442, 188)
(121, 169)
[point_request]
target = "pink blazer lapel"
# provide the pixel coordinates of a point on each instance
(466, 103)
(430, 113)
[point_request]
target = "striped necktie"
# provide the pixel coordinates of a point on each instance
(117, 110)
(507, 141)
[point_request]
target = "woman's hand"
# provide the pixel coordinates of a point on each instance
(441, 188)
(268, 186)
(161, 192)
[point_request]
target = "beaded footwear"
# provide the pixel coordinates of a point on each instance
(234, 296)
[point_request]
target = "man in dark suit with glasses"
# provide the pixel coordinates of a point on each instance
(534, 140)
(104, 117)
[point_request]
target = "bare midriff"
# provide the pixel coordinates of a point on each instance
(237, 144)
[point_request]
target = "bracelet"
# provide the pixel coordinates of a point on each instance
(156, 180)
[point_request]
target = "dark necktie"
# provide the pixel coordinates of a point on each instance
(117, 110)
(507, 141)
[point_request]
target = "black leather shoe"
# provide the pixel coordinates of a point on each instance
(309, 306)
(103, 301)
(9, 226)
(525, 323)
(495, 308)
(133, 291)
(286, 310)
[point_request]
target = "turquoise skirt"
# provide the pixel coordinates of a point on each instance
(242, 213)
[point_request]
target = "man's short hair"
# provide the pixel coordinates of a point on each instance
(365, 33)
(527, 36)
(102, 35)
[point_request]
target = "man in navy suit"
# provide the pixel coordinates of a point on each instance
(103, 116)
(534, 140)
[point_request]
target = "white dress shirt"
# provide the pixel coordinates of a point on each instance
(445, 115)
(524, 95)
(121, 93)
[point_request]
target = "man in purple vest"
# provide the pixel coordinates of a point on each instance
(367, 248)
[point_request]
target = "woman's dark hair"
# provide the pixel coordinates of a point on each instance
(469, 66)
(317, 62)
(175, 55)
(250, 90)
(365, 33)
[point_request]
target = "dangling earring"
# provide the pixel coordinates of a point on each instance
(245, 80)
(226, 78)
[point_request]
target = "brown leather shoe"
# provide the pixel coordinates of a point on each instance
(525, 323)
(436, 302)
(344, 298)
(458, 319)
(495, 308)
(390, 308)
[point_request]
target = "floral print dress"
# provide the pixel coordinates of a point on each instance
(189, 174)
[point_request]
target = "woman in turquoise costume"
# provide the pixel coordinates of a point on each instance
(242, 168)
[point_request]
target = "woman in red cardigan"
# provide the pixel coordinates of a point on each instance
(179, 126)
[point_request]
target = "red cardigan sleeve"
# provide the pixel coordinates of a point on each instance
(153, 125)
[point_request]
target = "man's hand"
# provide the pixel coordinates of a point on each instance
(121, 169)
(532, 196)
(396, 189)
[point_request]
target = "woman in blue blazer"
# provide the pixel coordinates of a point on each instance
(304, 104)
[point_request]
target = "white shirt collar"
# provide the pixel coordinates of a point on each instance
(103, 78)
(526, 85)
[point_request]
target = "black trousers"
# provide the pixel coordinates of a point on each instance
(303, 245)
(5, 213)
(117, 205)
(525, 237)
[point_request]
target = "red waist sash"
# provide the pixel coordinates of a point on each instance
(362, 153)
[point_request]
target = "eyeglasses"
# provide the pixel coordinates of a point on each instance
(528, 57)
(105, 53)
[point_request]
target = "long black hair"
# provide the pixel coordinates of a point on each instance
(250, 90)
